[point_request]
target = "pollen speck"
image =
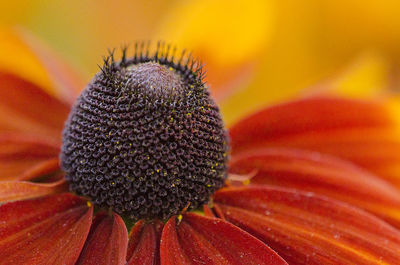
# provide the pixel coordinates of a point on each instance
(179, 217)
(246, 182)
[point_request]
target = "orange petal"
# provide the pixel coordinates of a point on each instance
(20, 190)
(107, 241)
(308, 229)
(26, 157)
(204, 240)
(48, 230)
(364, 132)
(41, 169)
(22, 55)
(224, 83)
(24, 107)
(322, 174)
(67, 81)
(144, 243)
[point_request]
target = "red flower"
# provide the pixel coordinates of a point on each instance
(312, 181)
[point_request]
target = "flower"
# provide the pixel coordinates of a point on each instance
(312, 181)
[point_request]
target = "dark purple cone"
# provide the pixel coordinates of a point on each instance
(145, 139)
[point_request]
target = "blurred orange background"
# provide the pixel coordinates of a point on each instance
(257, 52)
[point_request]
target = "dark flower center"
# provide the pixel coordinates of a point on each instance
(145, 138)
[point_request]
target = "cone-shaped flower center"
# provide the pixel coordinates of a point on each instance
(145, 139)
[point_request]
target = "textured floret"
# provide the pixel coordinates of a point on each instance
(145, 138)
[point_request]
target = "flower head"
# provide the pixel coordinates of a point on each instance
(145, 138)
(310, 181)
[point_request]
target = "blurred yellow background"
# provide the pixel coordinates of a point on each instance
(257, 52)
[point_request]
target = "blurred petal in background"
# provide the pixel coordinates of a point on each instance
(260, 52)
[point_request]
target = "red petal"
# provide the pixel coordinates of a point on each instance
(26, 157)
(203, 240)
(144, 243)
(20, 190)
(307, 229)
(107, 241)
(207, 211)
(322, 174)
(361, 131)
(49, 230)
(25, 107)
